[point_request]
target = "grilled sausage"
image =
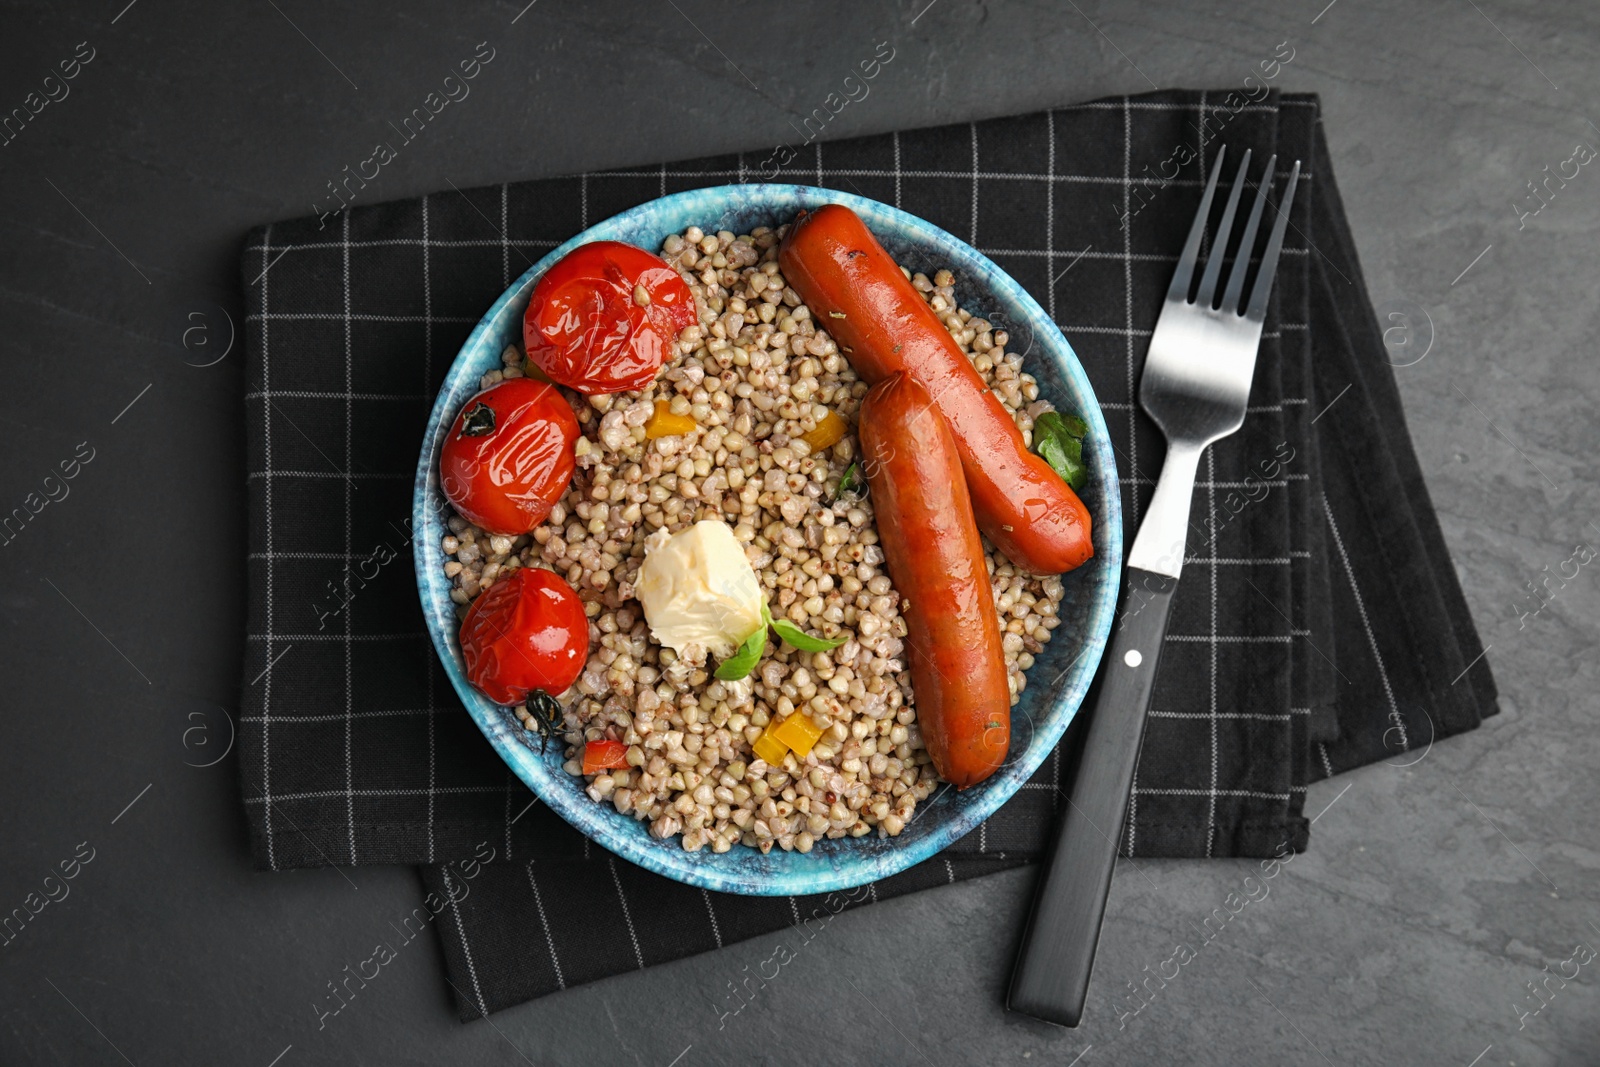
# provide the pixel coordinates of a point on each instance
(935, 558)
(883, 325)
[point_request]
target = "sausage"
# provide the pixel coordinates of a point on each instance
(935, 557)
(883, 325)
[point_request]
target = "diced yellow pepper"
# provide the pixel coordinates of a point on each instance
(828, 433)
(799, 731)
(665, 424)
(770, 748)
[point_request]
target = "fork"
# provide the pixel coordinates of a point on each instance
(1195, 387)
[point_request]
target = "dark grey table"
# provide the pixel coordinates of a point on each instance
(1432, 893)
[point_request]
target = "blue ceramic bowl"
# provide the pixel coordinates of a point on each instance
(1057, 681)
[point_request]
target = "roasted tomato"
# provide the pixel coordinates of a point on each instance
(605, 318)
(509, 455)
(527, 634)
(603, 755)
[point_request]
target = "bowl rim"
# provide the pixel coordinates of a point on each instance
(666, 857)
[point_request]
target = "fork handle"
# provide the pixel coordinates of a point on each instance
(1051, 979)
(1163, 536)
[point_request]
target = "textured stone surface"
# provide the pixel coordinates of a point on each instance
(1406, 934)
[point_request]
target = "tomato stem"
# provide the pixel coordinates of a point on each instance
(478, 422)
(547, 715)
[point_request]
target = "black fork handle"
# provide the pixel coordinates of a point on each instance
(1051, 979)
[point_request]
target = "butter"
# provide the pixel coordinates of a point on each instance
(698, 589)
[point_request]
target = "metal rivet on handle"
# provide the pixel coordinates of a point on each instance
(1133, 658)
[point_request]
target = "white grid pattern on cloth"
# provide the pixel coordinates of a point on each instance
(627, 912)
(1253, 409)
(711, 910)
(1127, 283)
(336, 637)
(377, 713)
(898, 175)
(1049, 215)
(544, 924)
(466, 942)
(1260, 716)
(870, 172)
(349, 539)
(319, 794)
(1232, 639)
(1261, 793)
(1269, 335)
(1129, 257)
(315, 394)
(1132, 817)
(1210, 483)
(380, 242)
(266, 430)
(511, 786)
(1366, 625)
(335, 316)
(381, 476)
(1211, 511)
(972, 130)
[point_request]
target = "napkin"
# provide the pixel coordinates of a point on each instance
(1319, 625)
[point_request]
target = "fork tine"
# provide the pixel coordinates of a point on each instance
(1219, 247)
(1241, 262)
(1179, 289)
(1269, 258)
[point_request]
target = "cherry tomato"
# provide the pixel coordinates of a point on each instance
(526, 634)
(604, 318)
(509, 455)
(599, 755)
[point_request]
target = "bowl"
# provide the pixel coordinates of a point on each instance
(1058, 679)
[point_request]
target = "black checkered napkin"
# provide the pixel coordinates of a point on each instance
(1318, 626)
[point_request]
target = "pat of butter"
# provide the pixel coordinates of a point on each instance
(697, 588)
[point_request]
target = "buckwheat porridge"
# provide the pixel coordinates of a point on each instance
(752, 423)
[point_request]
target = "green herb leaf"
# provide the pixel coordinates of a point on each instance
(849, 482)
(793, 635)
(1058, 440)
(742, 662)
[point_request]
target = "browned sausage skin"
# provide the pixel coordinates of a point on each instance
(935, 557)
(883, 325)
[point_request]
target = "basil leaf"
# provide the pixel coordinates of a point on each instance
(849, 482)
(1049, 447)
(1057, 440)
(793, 635)
(742, 662)
(1072, 471)
(1049, 424)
